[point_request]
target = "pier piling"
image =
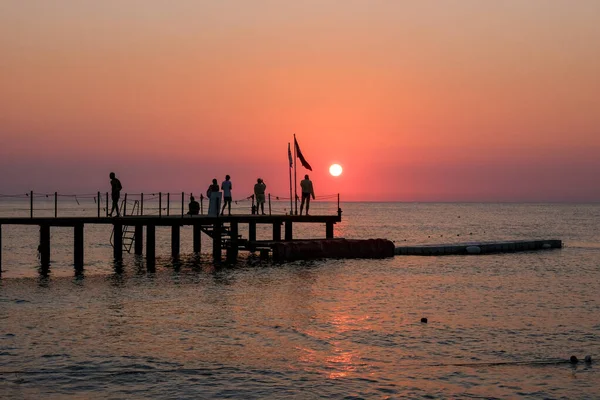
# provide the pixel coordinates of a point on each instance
(196, 238)
(288, 230)
(252, 231)
(150, 246)
(217, 242)
(277, 231)
(118, 241)
(138, 240)
(45, 245)
(175, 241)
(232, 250)
(329, 230)
(78, 246)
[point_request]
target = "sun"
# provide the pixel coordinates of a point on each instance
(335, 170)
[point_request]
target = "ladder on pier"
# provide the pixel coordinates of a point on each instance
(128, 230)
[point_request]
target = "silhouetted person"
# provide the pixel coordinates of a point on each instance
(259, 193)
(213, 200)
(214, 187)
(307, 193)
(193, 207)
(115, 190)
(226, 186)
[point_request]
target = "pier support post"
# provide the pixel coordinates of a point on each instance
(277, 231)
(252, 231)
(217, 242)
(196, 238)
(329, 230)
(288, 230)
(232, 250)
(150, 246)
(118, 241)
(78, 246)
(175, 241)
(45, 245)
(138, 240)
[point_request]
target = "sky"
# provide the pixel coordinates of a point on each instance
(447, 100)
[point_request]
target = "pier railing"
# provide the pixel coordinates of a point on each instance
(35, 204)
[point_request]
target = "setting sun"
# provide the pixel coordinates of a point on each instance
(335, 170)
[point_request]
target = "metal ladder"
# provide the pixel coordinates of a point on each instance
(128, 230)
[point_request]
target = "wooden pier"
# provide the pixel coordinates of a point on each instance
(129, 232)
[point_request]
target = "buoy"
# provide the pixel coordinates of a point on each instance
(473, 249)
(588, 359)
(573, 360)
(424, 320)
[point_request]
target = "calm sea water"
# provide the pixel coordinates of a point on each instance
(322, 329)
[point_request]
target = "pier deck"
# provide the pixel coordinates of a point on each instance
(170, 220)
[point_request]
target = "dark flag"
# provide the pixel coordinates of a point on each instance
(300, 156)
(290, 155)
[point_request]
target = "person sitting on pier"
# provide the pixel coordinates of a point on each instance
(226, 186)
(259, 193)
(307, 193)
(194, 207)
(116, 187)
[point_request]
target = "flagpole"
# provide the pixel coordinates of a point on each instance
(290, 169)
(295, 179)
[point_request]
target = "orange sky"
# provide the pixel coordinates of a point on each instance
(419, 101)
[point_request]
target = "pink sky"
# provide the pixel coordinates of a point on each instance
(419, 101)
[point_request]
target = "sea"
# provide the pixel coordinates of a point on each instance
(498, 326)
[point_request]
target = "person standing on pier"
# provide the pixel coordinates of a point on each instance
(307, 193)
(214, 199)
(115, 186)
(226, 186)
(259, 194)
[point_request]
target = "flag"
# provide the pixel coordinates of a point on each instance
(290, 155)
(300, 156)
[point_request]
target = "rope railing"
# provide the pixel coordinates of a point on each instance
(155, 203)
